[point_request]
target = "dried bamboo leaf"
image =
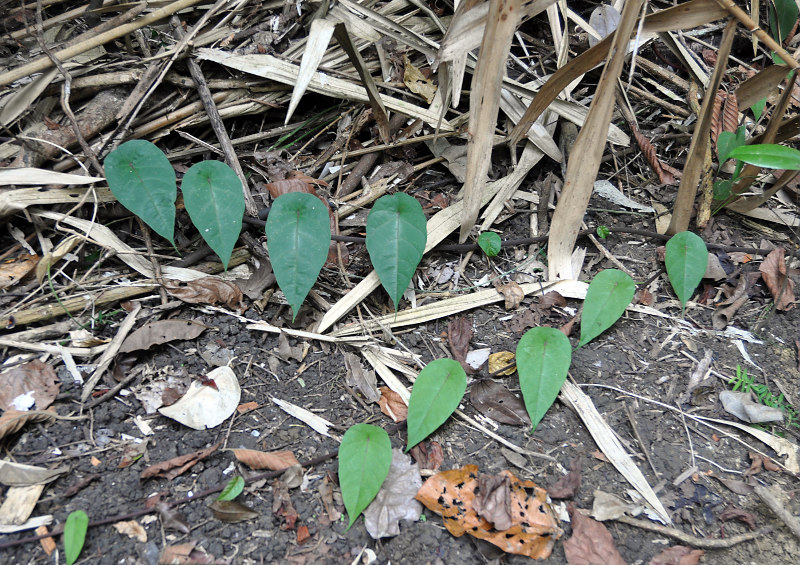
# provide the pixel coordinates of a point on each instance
(715, 127)
(29, 175)
(582, 171)
(760, 85)
(484, 103)
(319, 36)
(695, 163)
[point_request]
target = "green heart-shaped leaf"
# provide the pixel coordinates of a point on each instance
(214, 200)
(142, 179)
(606, 299)
(364, 458)
(437, 391)
(298, 237)
(686, 259)
(543, 359)
(396, 237)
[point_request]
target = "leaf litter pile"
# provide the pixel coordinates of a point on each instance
(238, 233)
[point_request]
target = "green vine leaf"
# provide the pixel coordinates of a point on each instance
(490, 243)
(298, 238)
(75, 535)
(233, 489)
(364, 458)
(686, 259)
(214, 200)
(396, 237)
(769, 156)
(142, 179)
(543, 359)
(606, 299)
(437, 391)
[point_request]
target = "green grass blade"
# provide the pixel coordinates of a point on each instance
(543, 359)
(437, 391)
(75, 535)
(214, 200)
(606, 299)
(142, 179)
(396, 237)
(298, 237)
(686, 260)
(364, 458)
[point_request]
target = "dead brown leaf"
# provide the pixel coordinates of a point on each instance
(678, 555)
(428, 455)
(513, 294)
(208, 290)
(185, 554)
(178, 465)
(392, 405)
(591, 543)
(570, 484)
(161, 331)
(231, 511)
(172, 518)
(272, 460)
(459, 334)
(773, 271)
(282, 505)
(13, 270)
(495, 401)
(12, 420)
(33, 384)
(133, 529)
(493, 500)
(733, 513)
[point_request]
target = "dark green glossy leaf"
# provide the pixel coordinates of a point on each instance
(543, 359)
(727, 141)
(437, 391)
(686, 259)
(607, 297)
(75, 535)
(490, 243)
(364, 458)
(298, 238)
(143, 180)
(396, 237)
(214, 200)
(769, 156)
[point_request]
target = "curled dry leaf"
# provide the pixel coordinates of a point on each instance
(428, 455)
(678, 555)
(495, 401)
(13, 270)
(459, 334)
(392, 405)
(590, 543)
(172, 518)
(534, 528)
(205, 406)
(272, 460)
(773, 271)
(417, 82)
(733, 513)
(231, 511)
(282, 505)
(185, 554)
(361, 379)
(176, 466)
(208, 290)
(133, 529)
(162, 331)
(395, 499)
(513, 294)
(33, 384)
(570, 484)
(493, 500)
(501, 364)
(650, 154)
(12, 420)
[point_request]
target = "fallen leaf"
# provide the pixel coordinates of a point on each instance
(161, 331)
(32, 384)
(417, 82)
(459, 334)
(48, 543)
(205, 406)
(428, 455)
(302, 534)
(476, 358)
(132, 529)
(741, 405)
(172, 518)
(176, 466)
(132, 452)
(282, 505)
(495, 401)
(678, 555)
(231, 511)
(185, 554)
(512, 293)
(13, 270)
(773, 271)
(361, 379)
(247, 407)
(591, 543)
(273, 460)
(285, 350)
(492, 500)
(607, 506)
(14, 474)
(733, 513)
(259, 280)
(13, 420)
(326, 495)
(395, 499)
(392, 405)
(549, 300)
(534, 527)
(208, 290)
(501, 364)
(570, 484)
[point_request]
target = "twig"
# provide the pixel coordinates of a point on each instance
(775, 505)
(702, 543)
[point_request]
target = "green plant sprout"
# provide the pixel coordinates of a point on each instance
(75, 535)
(743, 382)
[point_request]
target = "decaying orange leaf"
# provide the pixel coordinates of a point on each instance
(533, 526)
(392, 405)
(273, 460)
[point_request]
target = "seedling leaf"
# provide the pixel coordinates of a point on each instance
(606, 299)
(543, 359)
(142, 179)
(233, 489)
(213, 197)
(758, 108)
(298, 238)
(437, 391)
(727, 141)
(74, 535)
(396, 237)
(769, 156)
(490, 243)
(686, 259)
(364, 458)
